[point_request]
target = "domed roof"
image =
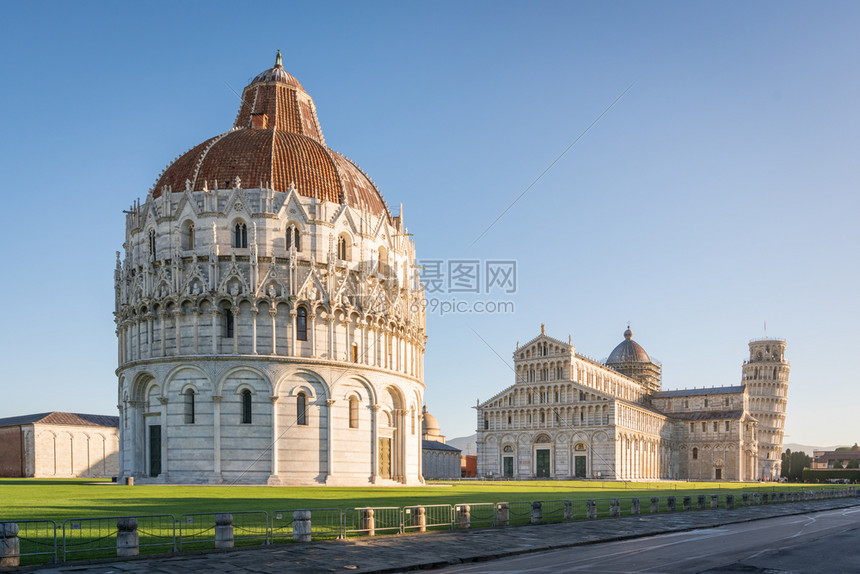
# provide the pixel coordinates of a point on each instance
(276, 141)
(430, 424)
(628, 351)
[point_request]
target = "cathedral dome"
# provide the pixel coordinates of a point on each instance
(628, 351)
(276, 142)
(430, 424)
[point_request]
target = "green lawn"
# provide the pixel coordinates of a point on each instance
(62, 499)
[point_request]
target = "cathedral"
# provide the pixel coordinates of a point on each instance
(267, 312)
(568, 416)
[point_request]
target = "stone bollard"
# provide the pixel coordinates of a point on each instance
(730, 501)
(503, 514)
(745, 498)
(10, 546)
(591, 509)
(700, 502)
(688, 503)
(568, 510)
(419, 518)
(670, 503)
(715, 500)
(129, 480)
(302, 525)
(368, 522)
(765, 498)
(127, 541)
(223, 530)
(537, 513)
(464, 516)
(655, 505)
(781, 497)
(634, 506)
(614, 508)
(757, 498)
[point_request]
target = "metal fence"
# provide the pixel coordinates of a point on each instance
(325, 524)
(37, 541)
(371, 520)
(102, 537)
(97, 537)
(198, 530)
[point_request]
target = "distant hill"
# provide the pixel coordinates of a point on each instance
(467, 444)
(805, 448)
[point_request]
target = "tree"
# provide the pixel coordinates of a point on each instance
(793, 464)
(853, 463)
(837, 464)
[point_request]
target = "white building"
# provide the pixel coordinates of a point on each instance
(59, 445)
(267, 312)
(569, 416)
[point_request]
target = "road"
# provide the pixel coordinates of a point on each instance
(826, 541)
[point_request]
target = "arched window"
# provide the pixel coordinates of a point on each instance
(302, 409)
(189, 407)
(240, 235)
(413, 421)
(152, 244)
(189, 235)
(302, 324)
(228, 323)
(294, 238)
(353, 413)
(695, 453)
(246, 407)
(341, 248)
(354, 353)
(383, 261)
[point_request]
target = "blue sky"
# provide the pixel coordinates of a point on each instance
(719, 193)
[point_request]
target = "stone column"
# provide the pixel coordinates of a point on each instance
(635, 506)
(196, 313)
(254, 313)
(275, 438)
(214, 329)
(368, 522)
(329, 442)
(127, 540)
(503, 514)
(536, 514)
(701, 502)
(150, 317)
(670, 503)
(688, 503)
(164, 437)
(223, 530)
(302, 525)
(273, 313)
(162, 315)
(177, 321)
(331, 342)
(655, 505)
(715, 500)
(730, 501)
(10, 546)
(291, 334)
(419, 519)
(568, 509)
(464, 516)
(591, 509)
(614, 508)
(374, 447)
(312, 331)
(216, 436)
(235, 310)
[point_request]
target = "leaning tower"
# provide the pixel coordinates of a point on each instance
(766, 377)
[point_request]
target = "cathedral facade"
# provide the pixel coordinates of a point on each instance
(266, 312)
(569, 416)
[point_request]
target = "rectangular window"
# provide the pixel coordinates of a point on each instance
(228, 323)
(715, 426)
(692, 427)
(703, 427)
(727, 426)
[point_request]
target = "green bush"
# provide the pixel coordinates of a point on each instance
(822, 475)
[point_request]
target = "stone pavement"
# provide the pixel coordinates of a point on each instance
(400, 553)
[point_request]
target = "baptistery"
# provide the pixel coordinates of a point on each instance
(268, 312)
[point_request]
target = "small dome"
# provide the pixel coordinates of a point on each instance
(430, 424)
(628, 351)
(277, 74)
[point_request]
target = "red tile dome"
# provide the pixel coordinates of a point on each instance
(276, 141)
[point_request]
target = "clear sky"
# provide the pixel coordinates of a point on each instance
(719, 193)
